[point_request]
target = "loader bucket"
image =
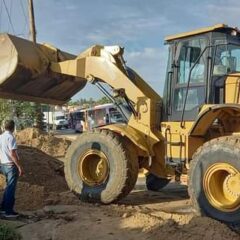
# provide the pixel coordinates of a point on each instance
(25, 72)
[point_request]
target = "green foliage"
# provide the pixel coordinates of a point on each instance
(8, 233)
(38, 116)
(22, 112)
(104, 100)
(5, 110)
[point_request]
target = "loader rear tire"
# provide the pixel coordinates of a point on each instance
(154, 183)
(214, 179)
(101, 167)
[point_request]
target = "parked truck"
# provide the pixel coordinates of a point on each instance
(55, 120)
(193, 130)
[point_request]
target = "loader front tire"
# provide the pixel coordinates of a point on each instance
(214, 179)
(100, 167)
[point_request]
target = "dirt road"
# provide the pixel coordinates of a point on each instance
(50, 211)
(142, 215)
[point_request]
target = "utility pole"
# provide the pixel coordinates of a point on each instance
(32, 36)
(32, 26)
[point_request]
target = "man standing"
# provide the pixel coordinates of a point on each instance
(10, 168)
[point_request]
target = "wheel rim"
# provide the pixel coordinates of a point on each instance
(221, 186)
(93, 167)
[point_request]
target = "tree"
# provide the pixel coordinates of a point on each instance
(25, 114)
(87, 103)
(38, 116)
(103, 100)
(5, 109)
(21, 112)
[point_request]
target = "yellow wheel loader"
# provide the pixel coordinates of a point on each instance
(192, 131)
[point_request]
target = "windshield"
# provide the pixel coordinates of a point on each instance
(60, 117)
(115, 116)
(227, 59)
(78, 115)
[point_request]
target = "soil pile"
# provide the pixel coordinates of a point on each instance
(45, 142)
(163, 225)
(112, 222)
(44, 184)
(43, 176)
(42, 169)
(198, 228)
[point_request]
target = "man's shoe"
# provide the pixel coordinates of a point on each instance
(11, 215)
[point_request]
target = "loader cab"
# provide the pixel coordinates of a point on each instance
(199, 63)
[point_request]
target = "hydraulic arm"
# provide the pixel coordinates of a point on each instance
(43, 73)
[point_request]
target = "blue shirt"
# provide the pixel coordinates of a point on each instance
(7, 144)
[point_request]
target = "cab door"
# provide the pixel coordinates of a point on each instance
(187, 93)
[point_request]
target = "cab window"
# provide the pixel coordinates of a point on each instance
(191, 66)
(189, 55)
(227, 60)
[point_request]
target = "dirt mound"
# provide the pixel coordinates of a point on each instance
(30, 197)
(43, 173)
(116, 222)
(139, 220)
(163, 225)
(42, 169)
(45, 142)
(43, 176)
(198, 228)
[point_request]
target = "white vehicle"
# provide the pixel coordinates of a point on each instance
(55, 120)
(103, 115)
(77, 120)
(79, 127)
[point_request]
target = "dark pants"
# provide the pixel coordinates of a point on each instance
(11, 174)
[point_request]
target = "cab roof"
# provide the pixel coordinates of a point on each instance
(199, 31)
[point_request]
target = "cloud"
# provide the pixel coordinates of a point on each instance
(139, 26)
(229, 12)
(151, 64)
(128, 29)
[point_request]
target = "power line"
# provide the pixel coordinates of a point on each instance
(1, 16)
(9, 17)
(25, 16)
(23, 10)
(11, 6)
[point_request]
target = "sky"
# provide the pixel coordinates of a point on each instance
(137, 25)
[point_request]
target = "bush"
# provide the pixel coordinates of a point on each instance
(8, 233)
